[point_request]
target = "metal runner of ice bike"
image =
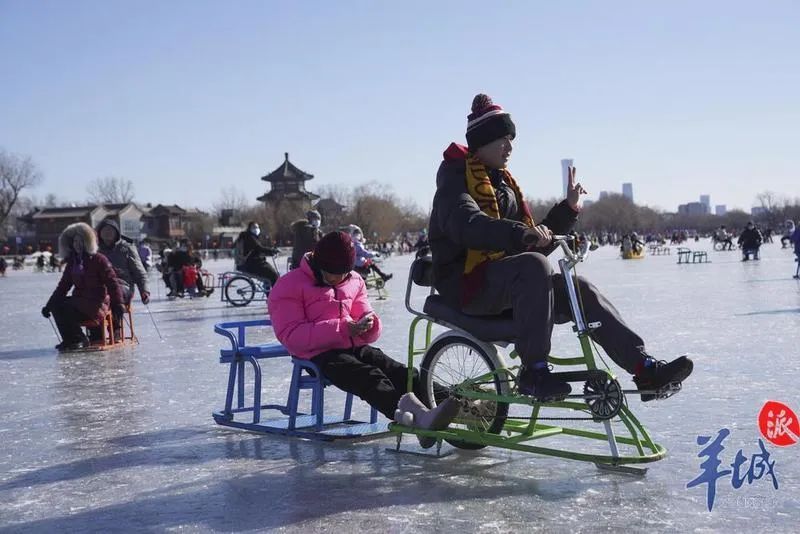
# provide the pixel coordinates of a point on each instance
(240, 288)
(465, 359)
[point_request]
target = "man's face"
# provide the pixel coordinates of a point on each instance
(108, 235)
(495, 155)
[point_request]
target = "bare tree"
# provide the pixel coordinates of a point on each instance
(16, 174)
(340, 193)
(110, 190)
(231, 198)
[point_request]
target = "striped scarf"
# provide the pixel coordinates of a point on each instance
(479, 187)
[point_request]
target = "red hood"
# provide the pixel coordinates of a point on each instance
(455, 152)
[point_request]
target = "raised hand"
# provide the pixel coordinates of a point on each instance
(574, 190)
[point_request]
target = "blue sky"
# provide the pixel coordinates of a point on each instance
(185, 98)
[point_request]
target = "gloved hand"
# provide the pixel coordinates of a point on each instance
(145, 298)
(118, 309)
(538, 236)
(46, 312)
(274, 252)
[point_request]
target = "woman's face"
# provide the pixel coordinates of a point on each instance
(77, 244)
(333, 279)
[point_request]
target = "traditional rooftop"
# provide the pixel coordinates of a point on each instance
(287, 172)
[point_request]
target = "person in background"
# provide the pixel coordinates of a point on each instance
(788, 230)
(96, 290)
(176, 260)
(252, 255)
(365, 259)
(128, 267)
(146, 255)
(795, 239)
(306, 234)
(750, 241)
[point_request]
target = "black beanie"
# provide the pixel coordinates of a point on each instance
(487, 122)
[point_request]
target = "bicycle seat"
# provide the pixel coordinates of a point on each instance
(486, 328)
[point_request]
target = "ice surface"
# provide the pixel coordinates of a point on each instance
(124, 440)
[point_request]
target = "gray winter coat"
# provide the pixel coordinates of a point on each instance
(457, 224)
(124, 258)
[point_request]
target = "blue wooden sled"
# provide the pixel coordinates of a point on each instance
(247, 414)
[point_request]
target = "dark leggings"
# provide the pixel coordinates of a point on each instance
(368, 373)
(68, 319)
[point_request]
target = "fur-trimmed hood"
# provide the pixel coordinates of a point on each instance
(82, 230)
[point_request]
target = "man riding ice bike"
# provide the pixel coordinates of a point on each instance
(489, 256)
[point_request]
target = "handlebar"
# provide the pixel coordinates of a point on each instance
(564, 241)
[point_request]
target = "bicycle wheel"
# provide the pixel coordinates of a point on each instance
(450, 362)
(240, 291)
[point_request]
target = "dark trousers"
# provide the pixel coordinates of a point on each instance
(262, 269)
(526, 284)
(369, 374)
(68, 319)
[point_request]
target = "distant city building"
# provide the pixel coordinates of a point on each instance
(587, 203)
(758, 210)
(693, 208)
(706, 199)
(721, 209)
(603, 194)
(565, 164)
(627, 191)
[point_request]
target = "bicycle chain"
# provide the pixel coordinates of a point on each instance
(534, 405)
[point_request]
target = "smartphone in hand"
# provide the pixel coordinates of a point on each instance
(365, 319)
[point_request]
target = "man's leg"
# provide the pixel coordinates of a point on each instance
(127, 295)
(621, 343)
(523, 283)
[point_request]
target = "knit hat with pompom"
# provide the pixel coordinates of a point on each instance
(487, 122)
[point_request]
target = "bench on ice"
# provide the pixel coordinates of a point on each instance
(686, 255)
(658, 250)
(243, 405)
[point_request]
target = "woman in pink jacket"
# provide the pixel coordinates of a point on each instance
(320, 312)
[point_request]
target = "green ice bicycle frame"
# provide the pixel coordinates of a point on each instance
(602, 403)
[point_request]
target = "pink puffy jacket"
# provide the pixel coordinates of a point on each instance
(310, 319)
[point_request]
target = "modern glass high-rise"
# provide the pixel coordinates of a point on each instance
(627, 191)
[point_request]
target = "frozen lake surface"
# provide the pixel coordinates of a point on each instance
(123, 440)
